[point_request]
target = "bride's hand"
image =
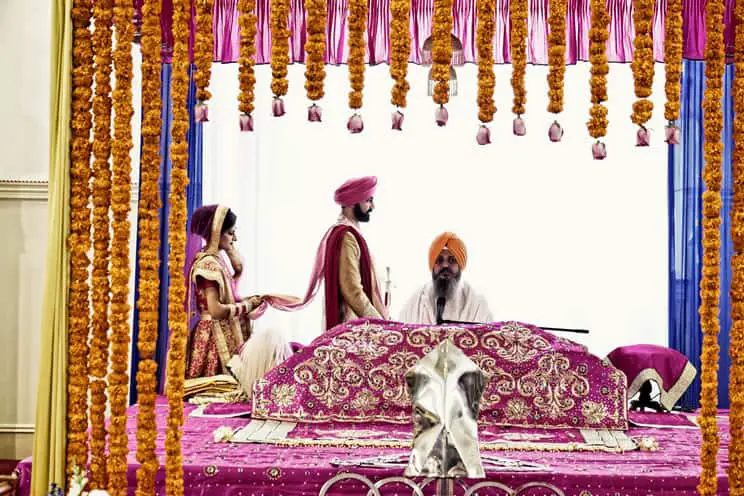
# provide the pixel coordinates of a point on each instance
(255, 301)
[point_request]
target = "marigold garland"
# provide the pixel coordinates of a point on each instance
(177, 317)
(673, 47)
(357, 49)
(441, 48)
(736, 346)
(556, 54)
(643, 60)
(118, 381)
(79, 240)
(149, 246)
(203, 49)
(598, 35)
(247, 74)
(710, 280)
(400, 50)
(279, 46)
(486, 76)
(103, 15)
(518, 36)
(315, 47)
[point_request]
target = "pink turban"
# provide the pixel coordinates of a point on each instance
(355, 191)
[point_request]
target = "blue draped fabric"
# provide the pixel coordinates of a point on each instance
(193, 201)
(686, 187)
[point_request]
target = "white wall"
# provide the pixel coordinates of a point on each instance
(554, 237)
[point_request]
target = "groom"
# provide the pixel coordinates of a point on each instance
(352, 290)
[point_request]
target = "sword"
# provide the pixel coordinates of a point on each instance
(388, 286)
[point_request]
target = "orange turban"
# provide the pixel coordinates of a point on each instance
(451, 242)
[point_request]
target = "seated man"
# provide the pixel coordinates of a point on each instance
(446, 297)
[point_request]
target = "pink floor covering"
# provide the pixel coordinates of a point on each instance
(257, 469)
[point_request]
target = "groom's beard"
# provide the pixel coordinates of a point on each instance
(445, 283)
(360, 215)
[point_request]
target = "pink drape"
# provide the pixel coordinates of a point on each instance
(619, 45)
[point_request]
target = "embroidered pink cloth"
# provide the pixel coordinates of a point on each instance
(669, 368)
(259, 469)
(355, 373)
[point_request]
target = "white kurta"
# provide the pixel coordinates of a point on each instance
(465, 305)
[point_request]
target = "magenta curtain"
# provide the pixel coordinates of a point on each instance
(619, 45)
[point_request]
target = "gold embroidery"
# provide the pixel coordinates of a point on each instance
(515, 343)
(329, 374)
(283, 394)
(498, 381)
(553, 385)
(370, 341)
(593, 412)
(388, 377)
(364, 401)
(517, 409)
(523, 436)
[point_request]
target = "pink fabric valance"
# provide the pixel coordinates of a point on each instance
(619, 45)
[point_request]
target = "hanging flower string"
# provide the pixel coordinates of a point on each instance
(357, 51)
(203, 56)
(518, 35)
(247, 74)
(149, 247)
(599, 33)
(557, 63)
(177, 317)
(279, 54)
(400, 50)
(103, 14)
(643, 67)
(673, 69)
(79, 240)
(400, 41)
(441, 33)
(118, 381)
(710, 289)
(315, 61)
(736, 346)
(486, 75)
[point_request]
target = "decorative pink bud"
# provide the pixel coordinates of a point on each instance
(441, 116)
(277, 107)
(201, 112)
(599, 151)
(673, 135)
(246, 122)
(643, 137)
(519, 127)
(397, 117)
(555, 133)
(355, 124)
(484, 136)
(314, 113)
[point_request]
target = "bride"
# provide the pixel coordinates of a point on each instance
(223, 339)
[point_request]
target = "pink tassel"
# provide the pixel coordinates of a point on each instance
(201, 112)
(599, 151)
(555, 133)
(397, 117)
(441, 116)
(643, 137)
(484, 136)
(314, 113)
(246, 122)
(277, 107)
(355, 124)
(519, 127)
(673, 135)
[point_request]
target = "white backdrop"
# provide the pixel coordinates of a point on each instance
(554, 237)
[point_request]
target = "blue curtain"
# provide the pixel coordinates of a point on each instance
(193, 201)
(685, 231)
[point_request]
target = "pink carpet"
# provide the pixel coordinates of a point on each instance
(261, 469)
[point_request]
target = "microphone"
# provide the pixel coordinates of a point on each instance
(440, 309)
